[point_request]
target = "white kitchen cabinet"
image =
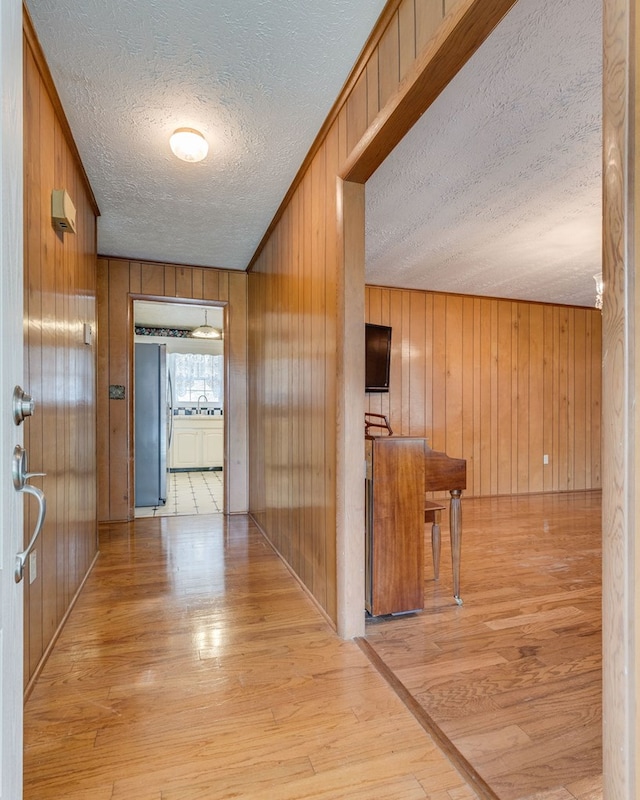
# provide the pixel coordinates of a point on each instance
(197, 442)
(212, 449)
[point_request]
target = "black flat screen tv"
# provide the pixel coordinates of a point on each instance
(377, 357)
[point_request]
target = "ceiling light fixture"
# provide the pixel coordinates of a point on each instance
(189, 144)
(205, 331)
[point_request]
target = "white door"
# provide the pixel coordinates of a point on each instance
(11, 596)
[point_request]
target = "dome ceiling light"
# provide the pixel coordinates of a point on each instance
(206, 331)
(189, 144)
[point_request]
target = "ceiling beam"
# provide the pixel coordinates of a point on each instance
(461, 33)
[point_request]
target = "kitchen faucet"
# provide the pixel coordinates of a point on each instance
(199, 399)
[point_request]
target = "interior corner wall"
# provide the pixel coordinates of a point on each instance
(501, 383)
(119, 281)
(292, 367)
(59, 299)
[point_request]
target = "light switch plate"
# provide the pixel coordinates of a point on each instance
(33, 565)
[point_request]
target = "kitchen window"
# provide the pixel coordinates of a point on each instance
(197, 374)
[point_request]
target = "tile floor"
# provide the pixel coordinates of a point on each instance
(197, 492)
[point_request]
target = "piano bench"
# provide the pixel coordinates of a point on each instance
(432, 512)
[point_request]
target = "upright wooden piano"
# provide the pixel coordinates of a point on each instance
(399, 470)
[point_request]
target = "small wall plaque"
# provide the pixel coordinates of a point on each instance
(116, 392)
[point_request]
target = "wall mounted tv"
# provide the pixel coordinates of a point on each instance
(377, 357)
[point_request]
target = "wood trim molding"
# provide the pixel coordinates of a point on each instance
(41, 62)
(350, 548)
(457, 39)
(621, 378)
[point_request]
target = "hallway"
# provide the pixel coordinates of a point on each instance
(194, 667)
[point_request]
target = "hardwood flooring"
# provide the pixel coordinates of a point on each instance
(194, 667)
(513, 677)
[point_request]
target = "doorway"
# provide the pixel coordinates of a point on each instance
(179, 408)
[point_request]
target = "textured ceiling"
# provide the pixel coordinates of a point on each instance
(497, 190)
(175, 315)
(257, 77)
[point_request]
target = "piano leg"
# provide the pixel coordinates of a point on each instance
(455, 523)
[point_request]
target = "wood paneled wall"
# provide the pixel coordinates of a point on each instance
(119, 282)
(296, 300)
(498, 382)
(59, 297)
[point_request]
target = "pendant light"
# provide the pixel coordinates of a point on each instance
(205, 331)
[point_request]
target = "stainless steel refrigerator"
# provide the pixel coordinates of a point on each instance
(152, 423)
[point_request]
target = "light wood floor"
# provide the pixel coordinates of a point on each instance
(513, 678)
(194, 668)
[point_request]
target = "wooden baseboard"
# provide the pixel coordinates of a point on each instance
(36, 673)
(305, 588)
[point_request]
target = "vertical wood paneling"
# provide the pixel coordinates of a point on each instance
(102, 368)
(498, 375)
(293, 386)
(536, 399)
(170, 280)
(494, 344)
(119, 469)
(467, 377)
(393, 404)
(439, 375)
(454, 332)
(389, 61)
(59, 296)
(152, 282)
(197, 284)
(429, 14)
(135, 277)
(483, 390)
(116, 278)
(210, 284)
(373, 96)
(407, 35)
(184, 282)
(416, 346)
(505, 399)
(525, 421)
(357, 120)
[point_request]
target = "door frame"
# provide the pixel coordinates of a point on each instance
(181, 301)
(11, 373)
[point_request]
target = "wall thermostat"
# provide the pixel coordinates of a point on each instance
(63, 212)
